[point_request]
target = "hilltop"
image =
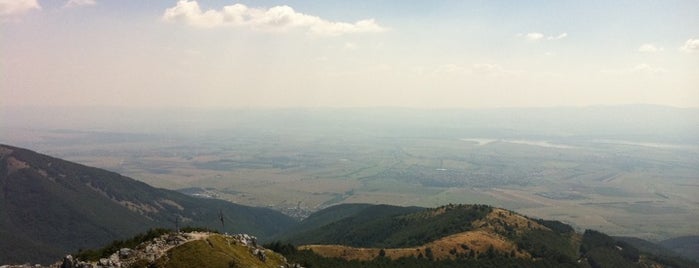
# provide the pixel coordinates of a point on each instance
(180, 249)
(474, 235)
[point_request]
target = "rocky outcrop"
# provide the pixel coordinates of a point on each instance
(148, 252)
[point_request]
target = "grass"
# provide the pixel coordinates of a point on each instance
(216, 251)
(496, 231)
(449, 247)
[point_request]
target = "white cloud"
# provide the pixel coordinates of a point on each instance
(536, 36)
(17, 7)
(277, 18)
(643, 69)
(531, 36)
(649, 48)
(692, 45)
(557, 37)
(77, 3)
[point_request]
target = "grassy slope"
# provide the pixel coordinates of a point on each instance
(449, 247)
(216, 251)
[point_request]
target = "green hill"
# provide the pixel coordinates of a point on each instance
(388, 226)
(49, 206)
(330, 223)
(660, 252)
(687, 246)
(453, 236)
(325, 216)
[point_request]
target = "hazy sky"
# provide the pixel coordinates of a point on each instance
(348, 53)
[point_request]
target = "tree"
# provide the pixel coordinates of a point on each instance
(429, 254)
(490, 253)
(220, 217)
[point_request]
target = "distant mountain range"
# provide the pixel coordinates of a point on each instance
(50, 207)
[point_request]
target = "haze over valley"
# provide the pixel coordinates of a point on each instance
(625, 170)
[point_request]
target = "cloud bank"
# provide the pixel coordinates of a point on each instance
(17, 7)
(277, 18)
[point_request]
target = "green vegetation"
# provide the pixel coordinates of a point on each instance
(556, 245)
(602, 250)
(391, 226)
(104, 252)
(661, 253)
(324, 217)
(687, 246)
(549, 245)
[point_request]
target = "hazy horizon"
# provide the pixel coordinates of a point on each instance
(297, 54)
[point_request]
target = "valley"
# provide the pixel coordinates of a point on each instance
(642, 186)
(51, 207)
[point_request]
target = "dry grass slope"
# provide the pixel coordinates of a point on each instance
(488, 233)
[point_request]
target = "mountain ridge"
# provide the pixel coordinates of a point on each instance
(486, 237)
(49, 206)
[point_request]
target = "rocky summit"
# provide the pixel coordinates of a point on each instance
(182, 249)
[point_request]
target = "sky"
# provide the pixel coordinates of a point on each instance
(425, 54)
